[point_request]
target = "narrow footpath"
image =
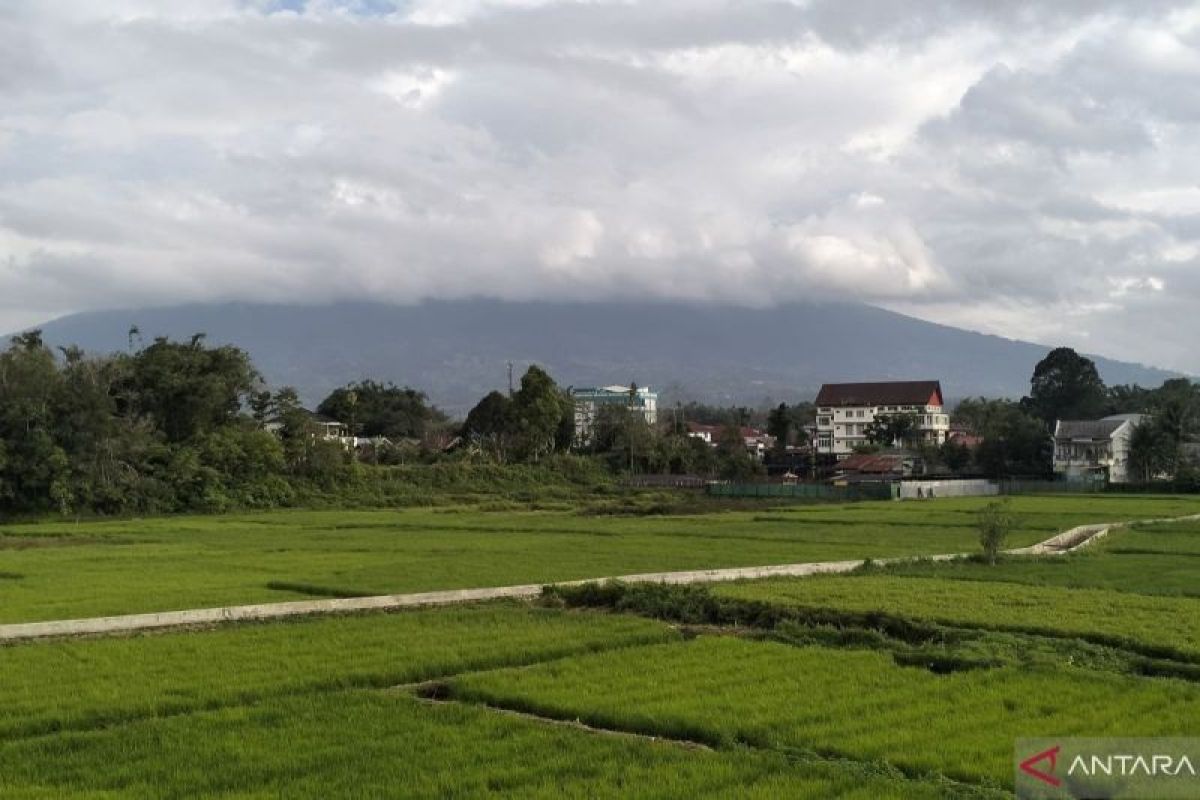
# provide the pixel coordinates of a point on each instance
(1062, 543)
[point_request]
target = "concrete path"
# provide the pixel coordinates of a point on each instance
(1056, 545)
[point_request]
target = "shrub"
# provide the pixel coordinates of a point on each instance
(994, 521)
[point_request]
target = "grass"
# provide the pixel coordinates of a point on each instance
(879, 684)
(1162, 559)
(1161, 626)
(67, 570)
(844, 703)
(82, 683)
(374, 744)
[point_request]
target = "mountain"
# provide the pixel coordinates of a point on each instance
(456, 351)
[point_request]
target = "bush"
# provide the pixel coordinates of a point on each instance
(994, 521)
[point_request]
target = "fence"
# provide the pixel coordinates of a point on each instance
(947, 488)
(1020, 486)
(809, 491)
(667, 482)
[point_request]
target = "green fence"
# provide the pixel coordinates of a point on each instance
(810, 491)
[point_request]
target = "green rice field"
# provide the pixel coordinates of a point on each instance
(903, 681)
(60, 570)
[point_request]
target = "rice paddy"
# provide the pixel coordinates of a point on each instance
(904, 681)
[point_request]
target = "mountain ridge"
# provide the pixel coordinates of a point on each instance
(456, 351)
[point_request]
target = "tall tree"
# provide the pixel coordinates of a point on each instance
(538, 408)
(382, 409)
(1014, 444)
(189, 389)
(1065, 385)
(489, 425)
(779, 425)
(1151, 450)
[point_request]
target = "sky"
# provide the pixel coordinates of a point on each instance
(1025, 169)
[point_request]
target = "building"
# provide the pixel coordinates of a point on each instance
(1094, 449)
(589, 401)
(878, 466)
(755, 441)
(323, 428)
(845, 410)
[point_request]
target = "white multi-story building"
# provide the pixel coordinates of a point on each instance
(845, 410)
(589, 401)
(1094, 449)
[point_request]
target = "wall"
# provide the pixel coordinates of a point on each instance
(948, 488)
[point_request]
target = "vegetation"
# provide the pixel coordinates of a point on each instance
(1065, 385)
(188, 562)
(906, 681)
(377, 409)
(380, 744)
(995, 523)
(83, 684)
(851, 704)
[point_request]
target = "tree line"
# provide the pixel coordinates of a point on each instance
(182, 425)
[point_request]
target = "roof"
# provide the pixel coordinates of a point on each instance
(1088, 428)
(876, 463)
(969, 440)
(887, 393)
(715, 430)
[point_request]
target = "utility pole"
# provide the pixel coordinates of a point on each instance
(510, 383)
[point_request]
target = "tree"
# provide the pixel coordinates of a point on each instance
(1014, 443)
(976, 414)
(1065, 385)
(994, 522)
(489, 425)
(537, 411)
(955, 456)
(891, 429)
(1151, 450)
(189, 389)
(382, 409)
(779, 425)
(733, 461)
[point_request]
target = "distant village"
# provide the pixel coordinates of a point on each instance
(869, 432)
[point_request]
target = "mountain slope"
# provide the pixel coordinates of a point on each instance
(457, 351)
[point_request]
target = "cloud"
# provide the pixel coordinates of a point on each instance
(1028, 169)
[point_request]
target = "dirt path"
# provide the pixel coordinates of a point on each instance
(1056, 545)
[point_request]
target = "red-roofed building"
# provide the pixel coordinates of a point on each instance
(756, 442)
(845, 410)
(877, 466)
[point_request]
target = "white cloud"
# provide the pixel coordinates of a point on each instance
(1027, 169)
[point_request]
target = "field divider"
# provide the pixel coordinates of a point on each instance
(1060, 544)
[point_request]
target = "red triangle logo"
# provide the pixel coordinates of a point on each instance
(1051, 755)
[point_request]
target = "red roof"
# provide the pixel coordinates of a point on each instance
(887, 393)
(969, 440)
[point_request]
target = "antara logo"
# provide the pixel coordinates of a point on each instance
(1051, 758)
(1132, 765)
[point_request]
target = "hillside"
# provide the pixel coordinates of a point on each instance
(457, 351)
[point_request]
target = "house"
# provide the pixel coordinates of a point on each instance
(1095, 449)
(324, 428)
(588, 402)
(755, 441)
(961, 436)
(889, 465)
(845, 410)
